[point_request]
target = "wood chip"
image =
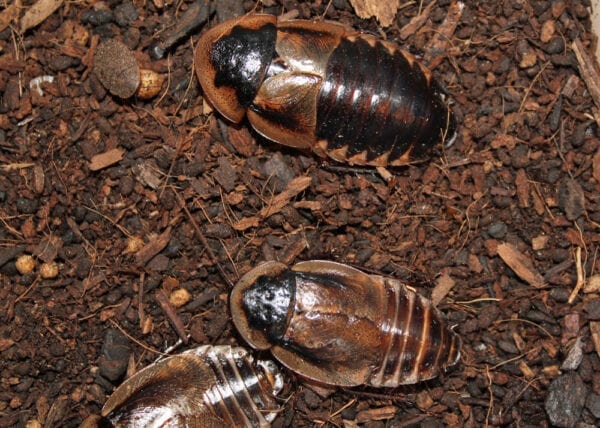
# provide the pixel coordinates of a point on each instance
(105, 159)
(173, 317)
(294, 187)
(5, 344)
(442, 287)
(436, 48)
(384, 11)
(380, 414)
(595, 330)
(596, 166)
(588, 71)
(8, 15)
(520, 264)
(153, 247)
(38, 13)
(523, 188)
(416, 22)
(539, 242)
(592, 285)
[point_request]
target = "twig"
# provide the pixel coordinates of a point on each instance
(174, 318)
(133, 339)
(203, 240)
(580, 276)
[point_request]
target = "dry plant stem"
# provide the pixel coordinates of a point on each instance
(173, 317)
(580, 276)
(203, 241)
(588, 70)
(133, 339)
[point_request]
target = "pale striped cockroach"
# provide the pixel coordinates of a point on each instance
(209, 386)
(321, 85)
(334, 324)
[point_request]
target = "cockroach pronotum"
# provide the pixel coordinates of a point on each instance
(209, 386)
(321, 85)
(334, 324)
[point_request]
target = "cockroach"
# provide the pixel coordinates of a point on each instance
(209, 386)
(334, 324)
(323, 86)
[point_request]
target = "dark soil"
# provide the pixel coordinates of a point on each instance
(524, 171)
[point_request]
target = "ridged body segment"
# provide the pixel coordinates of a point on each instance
(377, 100)
(341, 326)
(325, 87)
(209, 386)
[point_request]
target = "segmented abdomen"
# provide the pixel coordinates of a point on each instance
(238, 395)
(419, 346)
(377, 100)
(208, 386)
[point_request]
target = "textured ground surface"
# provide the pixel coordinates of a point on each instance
(510, 214)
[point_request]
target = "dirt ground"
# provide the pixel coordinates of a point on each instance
(107, 196)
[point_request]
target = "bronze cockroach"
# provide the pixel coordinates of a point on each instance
(209, 386)
(321, 85)
(334, 324)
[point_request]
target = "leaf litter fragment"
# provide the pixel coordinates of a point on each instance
(520, 264)
(279, 201)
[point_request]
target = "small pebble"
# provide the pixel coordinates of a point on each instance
(125, 14)
(593, 404)
(27, 206)
(498, 230)
(114, 356)
(565, 400)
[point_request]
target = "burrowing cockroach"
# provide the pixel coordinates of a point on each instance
(209, 386)
(334, 324)
(324, 86)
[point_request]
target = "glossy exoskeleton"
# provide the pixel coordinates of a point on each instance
(334, 324)
(321, 85)
(209, 386)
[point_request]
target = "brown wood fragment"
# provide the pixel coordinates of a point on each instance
(595, 330)
(5, 344)
(520, 264)
(38, 13)
(153, 247)
(539, 242)
(105, 159)
(8, 15)
(379, 414)
(580, 276)
(588, 70)
(592, 285)
(173, 317)
(279, 201)
(523, 188)
(416, 22)
(442, 287)
(596, 166)
(436, 49)
(384, 11)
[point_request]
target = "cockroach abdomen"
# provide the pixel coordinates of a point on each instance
(376, 100)
(209, 386)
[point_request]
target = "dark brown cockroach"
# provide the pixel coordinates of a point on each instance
(336, 325)
(323, 86)
(209, 386)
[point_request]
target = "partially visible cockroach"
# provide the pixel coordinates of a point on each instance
(334, 324)
(209, 386)
(321, 85)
